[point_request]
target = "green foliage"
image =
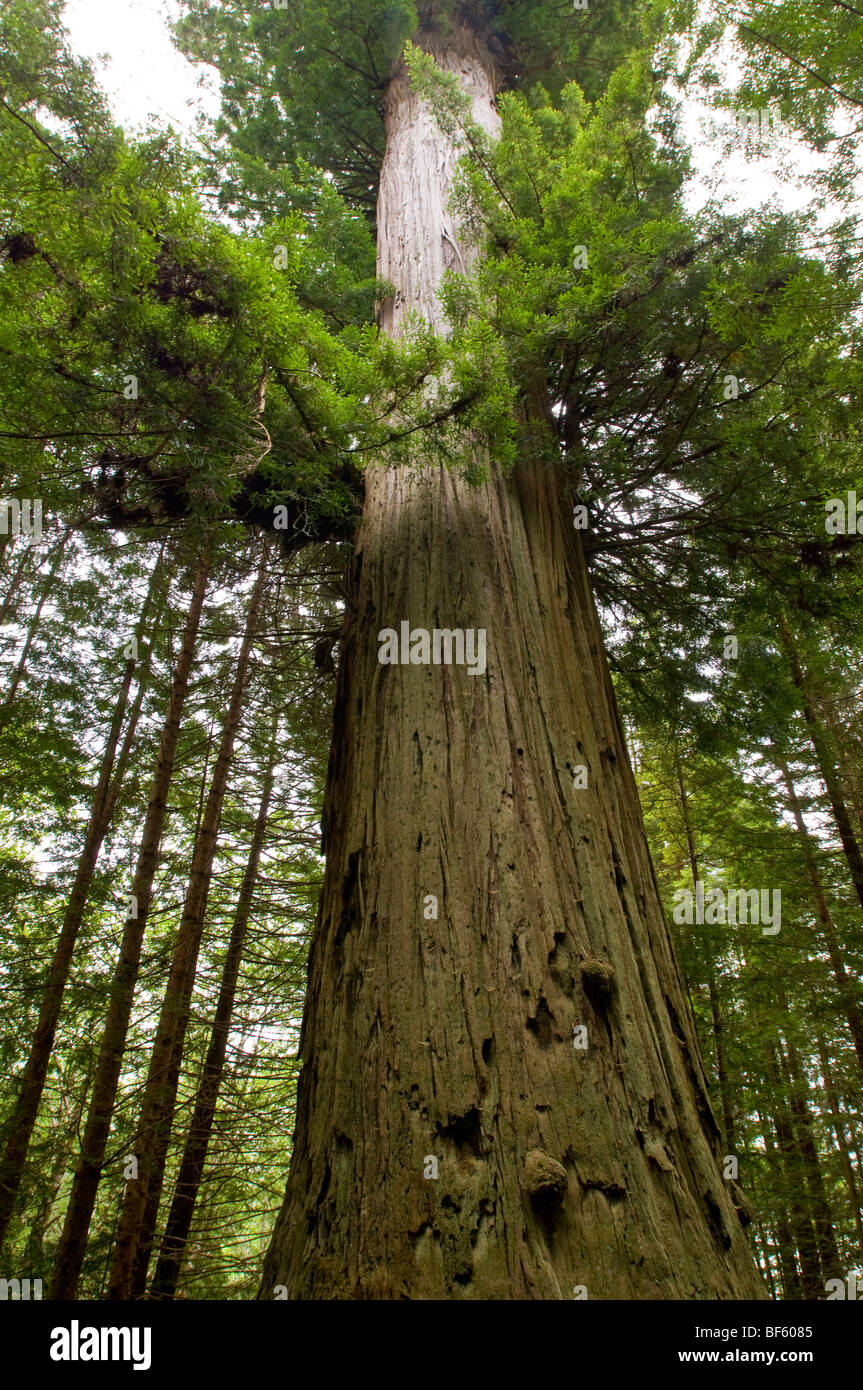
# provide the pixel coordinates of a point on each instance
(188, 344)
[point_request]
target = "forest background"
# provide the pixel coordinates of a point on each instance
(193, 382)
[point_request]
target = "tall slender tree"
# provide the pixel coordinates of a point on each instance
(194, 1157)
(104, 798)
(141, 1198)
(73, 1240)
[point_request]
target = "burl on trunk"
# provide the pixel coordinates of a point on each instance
(501, 1094)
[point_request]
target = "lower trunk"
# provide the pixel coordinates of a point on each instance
(481, 907)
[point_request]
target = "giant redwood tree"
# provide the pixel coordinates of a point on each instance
(501, 1094)
(461, 323)
(452, 1032)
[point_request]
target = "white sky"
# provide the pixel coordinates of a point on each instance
(145, 75)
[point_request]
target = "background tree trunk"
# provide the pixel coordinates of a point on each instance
(85, 1185)
(142, 1194)
(825, 762)
(713, 989)
(191, 1169)
(844, 983)
(452, 1038)
(38, 1062)
(837, 1121)
(828, 1253)
(799, 1209)
(58, 551)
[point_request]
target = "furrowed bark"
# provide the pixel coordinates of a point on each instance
(82, 1199)
(141, 1198)
(38, 1062)
(448, 1039)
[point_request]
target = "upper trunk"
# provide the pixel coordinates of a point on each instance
(479, 905)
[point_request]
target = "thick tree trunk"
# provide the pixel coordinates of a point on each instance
(191, 1170)
(38, 1062)
(73, 1241)
(478, 907)
(142, 1194)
